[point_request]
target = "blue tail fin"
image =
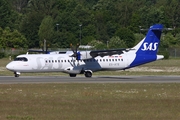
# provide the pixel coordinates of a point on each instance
(146, 50)
(149, 45)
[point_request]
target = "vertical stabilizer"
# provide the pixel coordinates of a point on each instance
(149, 45)
(146, 50)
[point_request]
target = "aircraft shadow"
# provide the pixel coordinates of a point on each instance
(114, 77)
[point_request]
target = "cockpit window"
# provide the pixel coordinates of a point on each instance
(21, 59)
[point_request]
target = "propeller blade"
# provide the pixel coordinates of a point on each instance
(75, 50)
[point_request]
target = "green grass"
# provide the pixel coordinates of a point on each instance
(73, 101)
(90, 101)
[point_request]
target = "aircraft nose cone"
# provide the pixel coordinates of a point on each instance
(9, 66)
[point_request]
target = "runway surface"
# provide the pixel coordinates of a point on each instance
(94, 79)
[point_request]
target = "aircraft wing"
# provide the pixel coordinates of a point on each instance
(38, 51)
(103, 53)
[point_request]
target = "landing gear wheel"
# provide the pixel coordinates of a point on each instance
(88, 74)
(16, 74)
(72, 75)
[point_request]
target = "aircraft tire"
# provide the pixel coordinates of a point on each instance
(88, 74)
(16, 75)
(72, 75)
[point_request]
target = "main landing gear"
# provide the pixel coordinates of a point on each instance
(17, 74)
(87, 73)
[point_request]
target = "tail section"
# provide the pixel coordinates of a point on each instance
(149, 45)
(146, 50)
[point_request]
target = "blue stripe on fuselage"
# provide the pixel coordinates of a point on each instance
(142, 59)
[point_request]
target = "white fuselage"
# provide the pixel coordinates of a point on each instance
(64, 63)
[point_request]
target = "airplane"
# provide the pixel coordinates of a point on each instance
(86, 62)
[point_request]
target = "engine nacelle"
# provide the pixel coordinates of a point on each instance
(81, 55)
(85, 55)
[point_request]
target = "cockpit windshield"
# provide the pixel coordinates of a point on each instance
(21, 59)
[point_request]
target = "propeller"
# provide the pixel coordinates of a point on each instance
(76, 54)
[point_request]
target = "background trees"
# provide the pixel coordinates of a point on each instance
(102, 22)
(8, 17)
(12, 39)
(46, 31)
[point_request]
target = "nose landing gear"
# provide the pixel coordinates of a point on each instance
(17, 74)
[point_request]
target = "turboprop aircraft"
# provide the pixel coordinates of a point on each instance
(86, 62)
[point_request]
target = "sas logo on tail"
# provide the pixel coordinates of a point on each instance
(151, 46)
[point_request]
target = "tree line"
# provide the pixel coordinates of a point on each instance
(105, 24)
